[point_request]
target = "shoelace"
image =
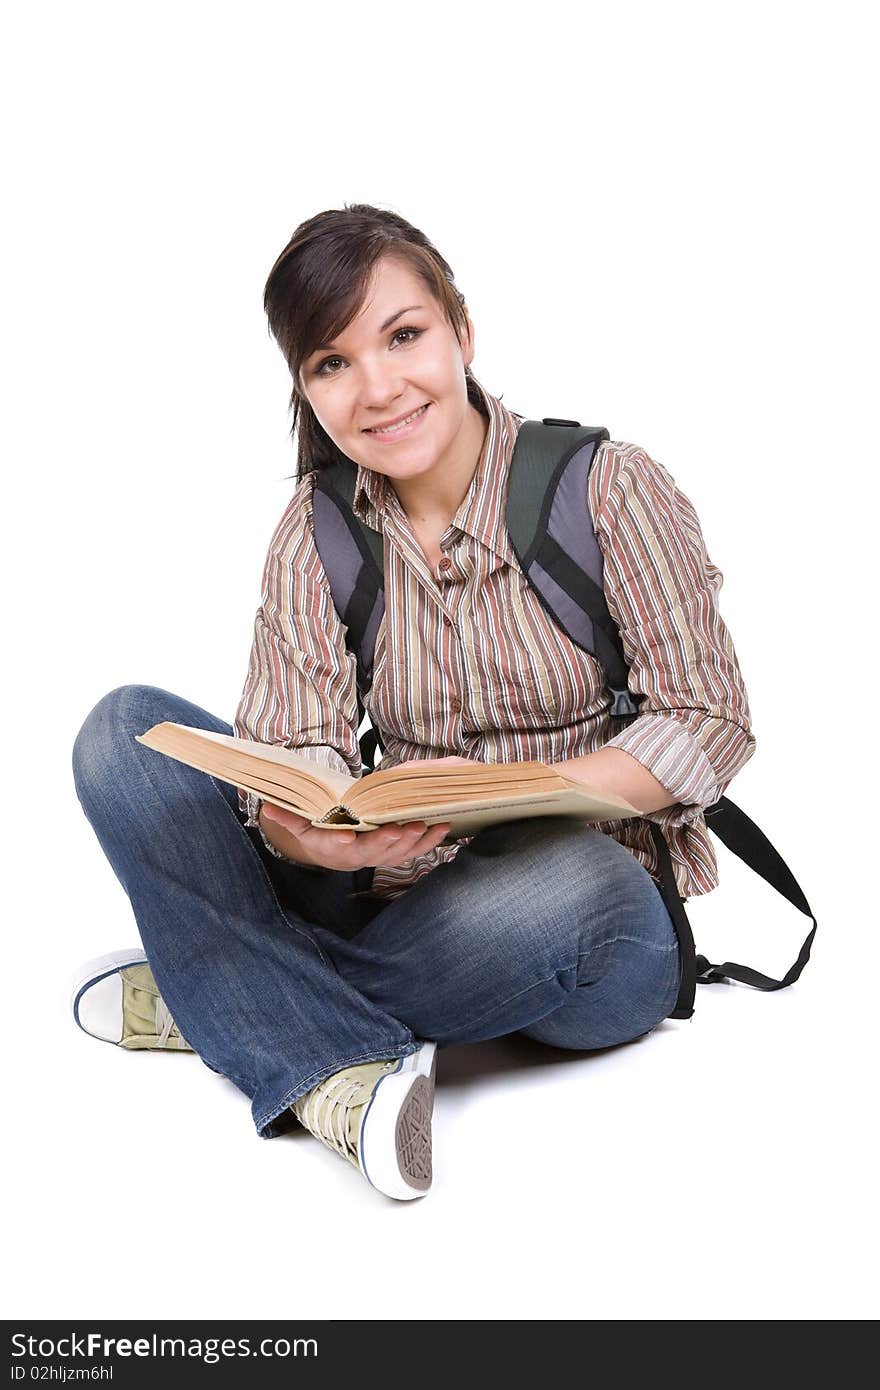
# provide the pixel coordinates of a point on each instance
(324, 1113)
(165, 1024)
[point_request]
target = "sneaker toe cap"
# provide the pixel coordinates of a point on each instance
(98, 1008)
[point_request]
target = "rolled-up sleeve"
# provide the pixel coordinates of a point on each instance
(300, 691)
(693, 730)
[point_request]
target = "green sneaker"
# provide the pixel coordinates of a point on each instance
(116, 999)
(378, 1116)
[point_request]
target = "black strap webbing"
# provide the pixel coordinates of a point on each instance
(748, 843)
(684, 1006)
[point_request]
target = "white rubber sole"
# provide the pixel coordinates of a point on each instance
(97, 994)
(395, 1139)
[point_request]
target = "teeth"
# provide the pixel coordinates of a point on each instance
(392, 429)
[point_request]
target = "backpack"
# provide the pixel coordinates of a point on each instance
(561, 559)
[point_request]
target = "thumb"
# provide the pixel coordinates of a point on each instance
(288, 819)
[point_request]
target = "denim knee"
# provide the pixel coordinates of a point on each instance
(556, 870)
(105, 736)
(105, 745)
(635, 992)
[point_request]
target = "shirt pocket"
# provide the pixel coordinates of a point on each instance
(564, 689)
(514, 699)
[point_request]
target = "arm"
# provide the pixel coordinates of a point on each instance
(621, 774)
(693, 732)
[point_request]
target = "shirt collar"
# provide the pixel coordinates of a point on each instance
(481, 512)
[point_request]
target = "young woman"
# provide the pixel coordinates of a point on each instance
(320, 971)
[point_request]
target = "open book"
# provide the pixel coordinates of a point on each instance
(468, 797)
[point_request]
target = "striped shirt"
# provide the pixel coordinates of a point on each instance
(467, 661)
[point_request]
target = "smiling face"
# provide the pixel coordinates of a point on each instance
(400, 357)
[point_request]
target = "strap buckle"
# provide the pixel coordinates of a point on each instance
(704, 972)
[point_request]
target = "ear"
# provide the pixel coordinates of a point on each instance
(467, 350)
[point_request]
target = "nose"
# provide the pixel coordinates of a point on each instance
(380, 385)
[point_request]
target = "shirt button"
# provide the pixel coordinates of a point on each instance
(445, 564)
(455, 704)
(447, 622)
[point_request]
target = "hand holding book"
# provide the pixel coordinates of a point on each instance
(346, 851)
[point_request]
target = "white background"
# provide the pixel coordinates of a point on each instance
(663, 223)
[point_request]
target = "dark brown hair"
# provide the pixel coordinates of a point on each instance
(318, 284)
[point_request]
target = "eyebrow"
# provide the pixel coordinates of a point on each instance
(410, 308)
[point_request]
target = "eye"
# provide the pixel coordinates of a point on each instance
(319, 370)
(400, 333)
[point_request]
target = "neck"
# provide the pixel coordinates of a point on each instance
(437, 499)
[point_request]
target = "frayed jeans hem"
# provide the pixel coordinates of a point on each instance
(265, 1125)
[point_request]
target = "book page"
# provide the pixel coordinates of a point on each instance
(336, 783)
(468, 819)
(404, 789)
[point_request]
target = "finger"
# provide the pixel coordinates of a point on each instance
(328, 841)
(388, 844)
(405, 835)
(393, 832)
(330, 848)
(433, 835)
(289, 820)
(334, 849)
(422, 840)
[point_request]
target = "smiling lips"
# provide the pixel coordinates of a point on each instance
(399, 425)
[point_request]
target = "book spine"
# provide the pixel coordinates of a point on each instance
(339, 815)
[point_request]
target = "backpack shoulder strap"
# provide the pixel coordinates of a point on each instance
(352, 555)
(558, 554)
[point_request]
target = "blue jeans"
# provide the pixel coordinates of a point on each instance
(277, 976)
